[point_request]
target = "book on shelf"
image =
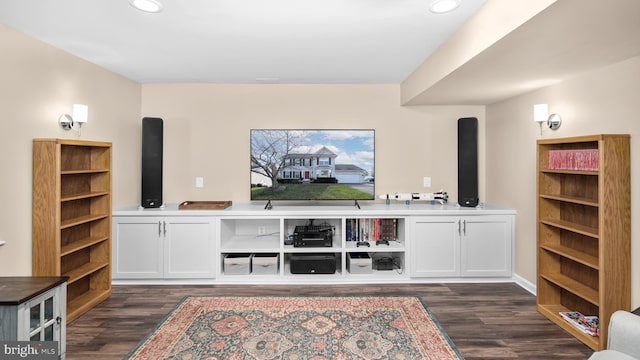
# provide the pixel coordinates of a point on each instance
(589, 325)
(585, 159)
(371, 229)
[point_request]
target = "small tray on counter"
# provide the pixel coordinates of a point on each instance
(204, 205)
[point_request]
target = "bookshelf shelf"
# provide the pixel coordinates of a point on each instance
(573, 227)
(575, 255)
(552, 313)
(571, 199)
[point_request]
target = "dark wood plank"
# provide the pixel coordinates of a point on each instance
(485, 321)
(20, 289)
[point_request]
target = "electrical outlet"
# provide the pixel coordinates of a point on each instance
(427, 181)
(262, 230)
(199, 182)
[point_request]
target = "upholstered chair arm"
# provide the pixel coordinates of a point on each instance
(624, 333)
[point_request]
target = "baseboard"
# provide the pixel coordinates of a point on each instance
(524, 283)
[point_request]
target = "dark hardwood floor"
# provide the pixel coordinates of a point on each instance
(485, 321)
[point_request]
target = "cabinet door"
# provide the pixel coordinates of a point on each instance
(137, 247)
(435, 247)
(43, 318)
(486, 245)
(189, 246)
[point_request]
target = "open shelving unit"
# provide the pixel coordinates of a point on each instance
(584, 233)
(254, 235)
(72, 218)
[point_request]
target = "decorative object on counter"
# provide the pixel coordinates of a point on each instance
(440, 197)
(204, 205)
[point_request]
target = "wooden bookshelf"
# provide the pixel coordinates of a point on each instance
(584, 234)
(72, 218)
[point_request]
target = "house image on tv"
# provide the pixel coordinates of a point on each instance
(320, 166)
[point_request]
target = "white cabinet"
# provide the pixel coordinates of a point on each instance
(435, 246)
(137, 248)
(189, 246)
(468, 246)
(152, 247)
(486, 246)
(34, 309)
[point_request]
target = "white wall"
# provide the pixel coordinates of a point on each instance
(207, 126)
(39, 83)
(606, 100)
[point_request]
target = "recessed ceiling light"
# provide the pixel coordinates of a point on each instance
(443, 6)
(152, 6)
(268, 80)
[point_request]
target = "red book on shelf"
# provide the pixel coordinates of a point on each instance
(579, 159)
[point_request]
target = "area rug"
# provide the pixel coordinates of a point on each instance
(296, 328)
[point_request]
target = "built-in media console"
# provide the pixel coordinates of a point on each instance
(306, 244)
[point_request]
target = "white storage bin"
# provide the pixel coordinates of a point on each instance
(359, 263)
(237, 264)
(265, 264)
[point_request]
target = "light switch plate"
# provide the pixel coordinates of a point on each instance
(199, 182)
(427, 181)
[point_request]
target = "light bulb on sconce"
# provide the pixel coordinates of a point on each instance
(80, 116)
(541, 115)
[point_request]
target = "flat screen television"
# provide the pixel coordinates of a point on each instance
(328, 164)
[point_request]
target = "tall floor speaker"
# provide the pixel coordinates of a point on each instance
(468, 162)
(152, 137)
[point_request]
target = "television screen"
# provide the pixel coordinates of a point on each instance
(312, 164)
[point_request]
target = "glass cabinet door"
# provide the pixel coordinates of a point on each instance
(43, 318)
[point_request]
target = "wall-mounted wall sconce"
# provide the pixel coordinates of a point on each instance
(541, 115)
(80, 116)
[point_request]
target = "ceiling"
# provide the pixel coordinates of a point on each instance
(563, 40)
(244, 41)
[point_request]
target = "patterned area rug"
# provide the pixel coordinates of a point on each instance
(296, 328)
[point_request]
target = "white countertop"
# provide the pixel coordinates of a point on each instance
(396, 208)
